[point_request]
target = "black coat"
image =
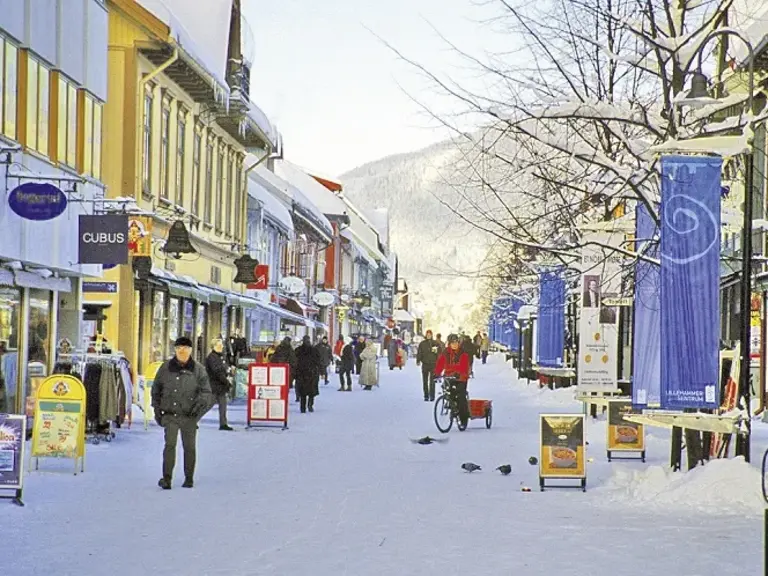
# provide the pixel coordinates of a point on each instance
(427, 353)
(326, 354)
(347, 358)
(284, 354)
(181, 390)
(308, 366)
(217, 373)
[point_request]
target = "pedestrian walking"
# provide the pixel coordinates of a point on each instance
(426, 357)
(440, 343)
(285, 354)
(469, 347)
(307, 374)
(218, 374)
(326, 357)
(181, 394)
(485, 346)
(346, 366)
(369, 377)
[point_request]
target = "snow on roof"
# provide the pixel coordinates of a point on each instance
(205, 22)
(260, 119)
(295, 196)
(328, 202)
(274, 208)
(380, 219)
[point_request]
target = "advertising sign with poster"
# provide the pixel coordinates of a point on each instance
(561, 449)
(12, 443)
(268, 394)
(623, 435)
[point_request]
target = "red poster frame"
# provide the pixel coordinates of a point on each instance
(253, 395)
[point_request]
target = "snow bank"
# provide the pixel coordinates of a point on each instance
(533, 394)
(718, 487)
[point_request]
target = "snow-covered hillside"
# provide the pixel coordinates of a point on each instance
(438, 253)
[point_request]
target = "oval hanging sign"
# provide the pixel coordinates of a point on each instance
(37, 201)
(323, 299)
(292, 285)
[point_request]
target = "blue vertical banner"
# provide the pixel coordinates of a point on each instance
(646, 349)
(690, 276)
(513, 330)
(550, 339)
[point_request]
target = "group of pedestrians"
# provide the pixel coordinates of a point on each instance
(359, 357)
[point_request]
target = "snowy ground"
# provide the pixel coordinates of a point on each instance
(343, 492)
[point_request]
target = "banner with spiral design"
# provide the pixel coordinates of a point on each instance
(690, 281)
(550, 336)
(646, 352)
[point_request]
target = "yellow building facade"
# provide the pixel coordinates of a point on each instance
(174, 149)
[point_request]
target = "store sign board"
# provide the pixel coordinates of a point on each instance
(261, 278)
(323, 299)
(37, 201)
(140, 235)
(292, 285)
(103, 239)
(268, 388)
(12, 443)
(100, 287)
(562, 446)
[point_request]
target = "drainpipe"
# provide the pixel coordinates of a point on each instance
(140, 116)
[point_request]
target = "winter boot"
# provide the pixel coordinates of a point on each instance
(164, 483)
(188, 483)
(349, 387)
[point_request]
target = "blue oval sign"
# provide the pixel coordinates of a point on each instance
(37, 201)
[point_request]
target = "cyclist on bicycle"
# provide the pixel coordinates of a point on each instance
(454, 364)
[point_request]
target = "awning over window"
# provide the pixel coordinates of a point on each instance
(401, 315)
(295, 306)
(31, 280)
(6, 277)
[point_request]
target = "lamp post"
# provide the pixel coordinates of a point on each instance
(699, 95)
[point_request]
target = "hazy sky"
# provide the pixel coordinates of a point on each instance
(330, 85)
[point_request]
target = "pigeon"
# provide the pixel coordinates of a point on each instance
(470, 467)
(533, 460)
(428, 440)
(505, 469)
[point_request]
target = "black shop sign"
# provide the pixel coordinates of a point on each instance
(103, 239)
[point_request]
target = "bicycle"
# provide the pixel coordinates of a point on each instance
(446, 409)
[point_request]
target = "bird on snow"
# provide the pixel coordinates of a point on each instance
(470, 467)
(428, 440)
(533, 460)
(505, 469)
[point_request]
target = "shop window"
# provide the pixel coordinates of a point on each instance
(224, 321)
(159, 326)
(208, 181)
(229, 199)
(188, 320)
(9, 62)
(174, 316)
(10, 314)
(181, 136)
(147, 144)
(92, 120)
(38, 105)
(67, 123)
(220, 190)
(38, 344)
(165, 157)
(196, 151)
(201, 331)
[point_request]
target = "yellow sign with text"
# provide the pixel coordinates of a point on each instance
(59, 422)
(562, 446)
(623, 435)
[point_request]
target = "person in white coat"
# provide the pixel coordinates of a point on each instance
(369, 375)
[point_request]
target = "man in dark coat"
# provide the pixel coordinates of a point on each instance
(181, 394)
(468, 347)
(326, 357)
(426, 357)
(285, 354)
(346, 367)
(308, 365)
(217, 372)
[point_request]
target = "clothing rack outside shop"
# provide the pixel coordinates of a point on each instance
(109, 390)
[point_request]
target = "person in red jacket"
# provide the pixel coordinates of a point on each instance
(454, 363)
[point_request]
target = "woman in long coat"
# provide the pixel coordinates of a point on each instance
(308, 366)
(369, 375)
(393, 350)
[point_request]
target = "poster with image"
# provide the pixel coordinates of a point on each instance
(258, 409)
(562, 446)
(57, 425)
(623, 435)
(268, 392)
(12, 433)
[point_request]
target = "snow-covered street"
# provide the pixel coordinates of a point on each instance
(343, 491)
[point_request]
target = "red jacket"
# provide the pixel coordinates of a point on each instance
(338, 348)
(453, 364)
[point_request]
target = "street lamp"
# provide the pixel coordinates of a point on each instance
(697, 95)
